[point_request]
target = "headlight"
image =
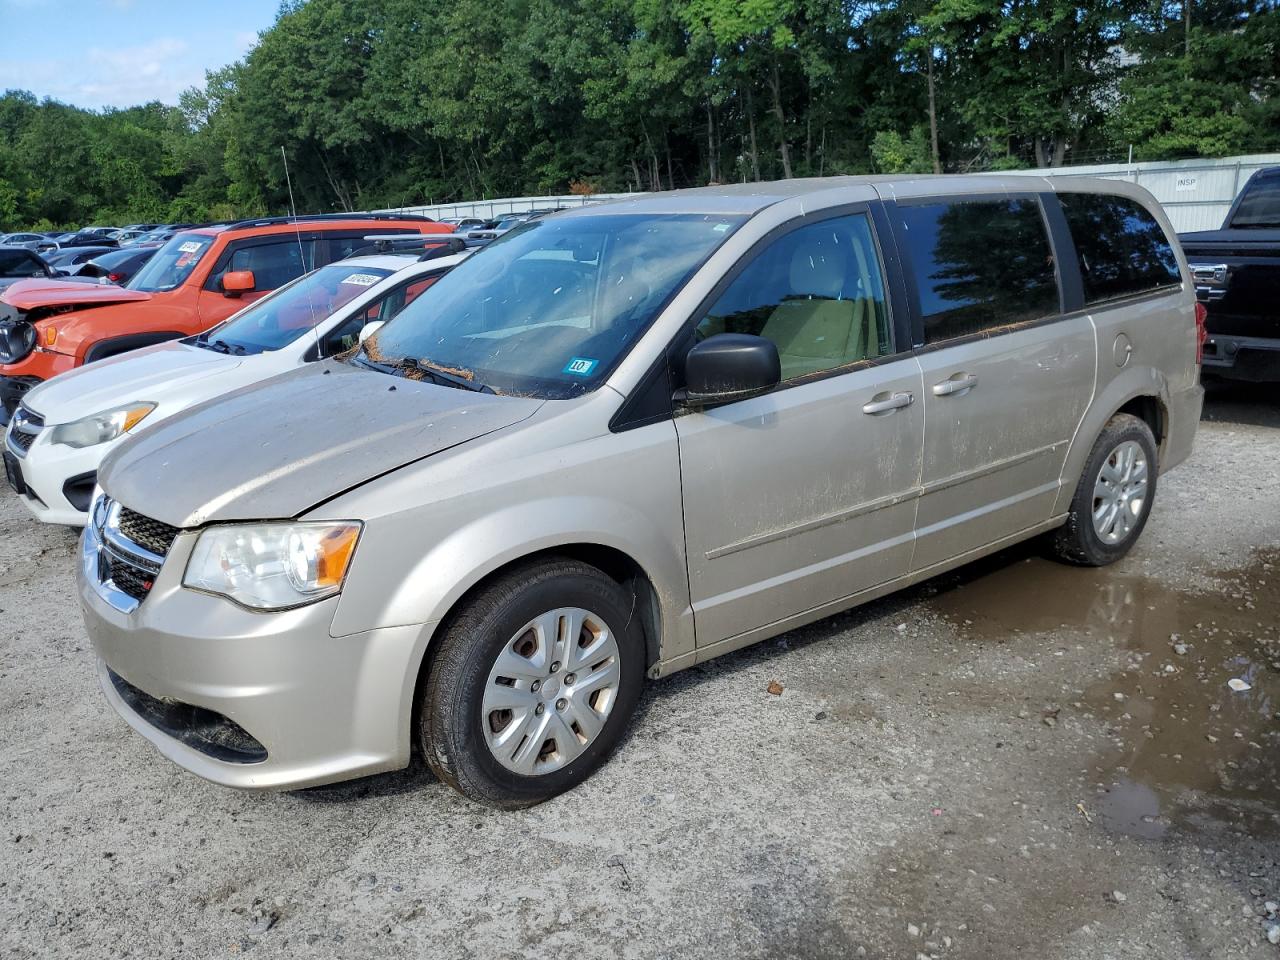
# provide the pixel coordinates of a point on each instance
(101, 427)
(17, 340)
(272, 566)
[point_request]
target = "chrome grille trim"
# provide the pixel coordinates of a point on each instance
(24, 427)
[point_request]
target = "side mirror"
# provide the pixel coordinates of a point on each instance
(728, 367)
(370, 328)
(237, 282)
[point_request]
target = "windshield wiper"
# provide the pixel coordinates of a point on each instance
(436, 374)
(221, 346)
(364, 361)
(445, 378)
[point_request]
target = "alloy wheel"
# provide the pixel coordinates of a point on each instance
(1120, 492)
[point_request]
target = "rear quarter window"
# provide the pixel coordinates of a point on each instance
(1120, 246)
(979, 264)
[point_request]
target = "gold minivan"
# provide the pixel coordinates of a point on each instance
(622, 440)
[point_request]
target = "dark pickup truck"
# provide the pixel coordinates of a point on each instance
(1237, 277)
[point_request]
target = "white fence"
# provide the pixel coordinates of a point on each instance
(491, 209)
(1195, 193)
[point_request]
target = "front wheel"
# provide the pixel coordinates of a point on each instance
(532, 684)
(1114, 497)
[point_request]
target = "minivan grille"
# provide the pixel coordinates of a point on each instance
(151, 535)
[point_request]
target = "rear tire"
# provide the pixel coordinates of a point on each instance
(1113, 498)
(532, 684)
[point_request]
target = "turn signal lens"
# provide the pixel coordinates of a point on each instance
(50, 336)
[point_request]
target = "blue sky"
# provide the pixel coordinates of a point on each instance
(117, 53)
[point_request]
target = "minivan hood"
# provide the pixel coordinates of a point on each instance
(276, 449)
(153, 373)
(58, 293)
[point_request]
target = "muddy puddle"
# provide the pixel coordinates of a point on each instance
(1192, 715)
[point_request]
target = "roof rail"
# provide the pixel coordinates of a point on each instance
(322, 217)
(439, 244)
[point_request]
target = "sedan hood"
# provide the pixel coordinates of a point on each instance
(152, 373)
(277, 449)
(26, 294)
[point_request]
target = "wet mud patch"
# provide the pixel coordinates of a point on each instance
(1190, 704)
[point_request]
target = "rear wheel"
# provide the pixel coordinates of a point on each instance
(532, 684)
(1114, 496)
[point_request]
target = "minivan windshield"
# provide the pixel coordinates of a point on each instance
(172, 263)
(293, 310)
(550, 308)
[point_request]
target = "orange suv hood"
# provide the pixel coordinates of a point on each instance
(26, 294)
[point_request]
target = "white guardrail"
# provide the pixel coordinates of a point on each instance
(1196, 194)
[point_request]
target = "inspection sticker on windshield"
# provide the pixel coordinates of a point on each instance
(362, 279)
(580, 366)
(191, 246)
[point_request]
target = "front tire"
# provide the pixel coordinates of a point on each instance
(1113, 499)
(532, 684)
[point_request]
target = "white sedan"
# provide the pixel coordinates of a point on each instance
(66, 427)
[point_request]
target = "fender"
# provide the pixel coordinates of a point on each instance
(133, 341)
(1127, 385)
(427, 589)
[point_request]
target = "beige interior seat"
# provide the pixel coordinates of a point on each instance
(818, 330)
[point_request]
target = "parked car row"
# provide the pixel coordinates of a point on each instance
(471, 502)
(197, 279)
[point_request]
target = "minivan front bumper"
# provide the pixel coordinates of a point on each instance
(322, 708)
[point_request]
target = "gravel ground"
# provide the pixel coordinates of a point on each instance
(1017, 759)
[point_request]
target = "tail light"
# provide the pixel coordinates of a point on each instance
(1202, 332)
(117, 277)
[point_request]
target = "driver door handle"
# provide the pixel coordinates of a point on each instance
(886, 403)
(956, 384)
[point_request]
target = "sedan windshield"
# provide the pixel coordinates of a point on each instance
(549, 309)
(172, 263)
(283, 317)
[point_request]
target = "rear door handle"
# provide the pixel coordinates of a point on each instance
(957, 384)
(887, 403)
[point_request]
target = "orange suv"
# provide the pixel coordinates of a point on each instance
(199, 278)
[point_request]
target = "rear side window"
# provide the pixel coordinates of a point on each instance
(1121, 248)
(1259, 208)
(979, 264)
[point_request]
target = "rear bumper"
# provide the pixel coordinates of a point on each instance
(1185, 408)
(1255, 359)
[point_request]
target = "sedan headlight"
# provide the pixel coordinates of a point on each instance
(101, 427)
(272, 566)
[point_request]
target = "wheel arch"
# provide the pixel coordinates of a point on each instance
(1142, 392)
(114, 346)
(615, 563)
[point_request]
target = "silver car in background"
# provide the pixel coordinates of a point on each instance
(621, 441)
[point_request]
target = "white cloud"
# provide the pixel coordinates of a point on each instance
(110, 76)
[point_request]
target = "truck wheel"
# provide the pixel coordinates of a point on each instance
(532, 684)
(1114, 496)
